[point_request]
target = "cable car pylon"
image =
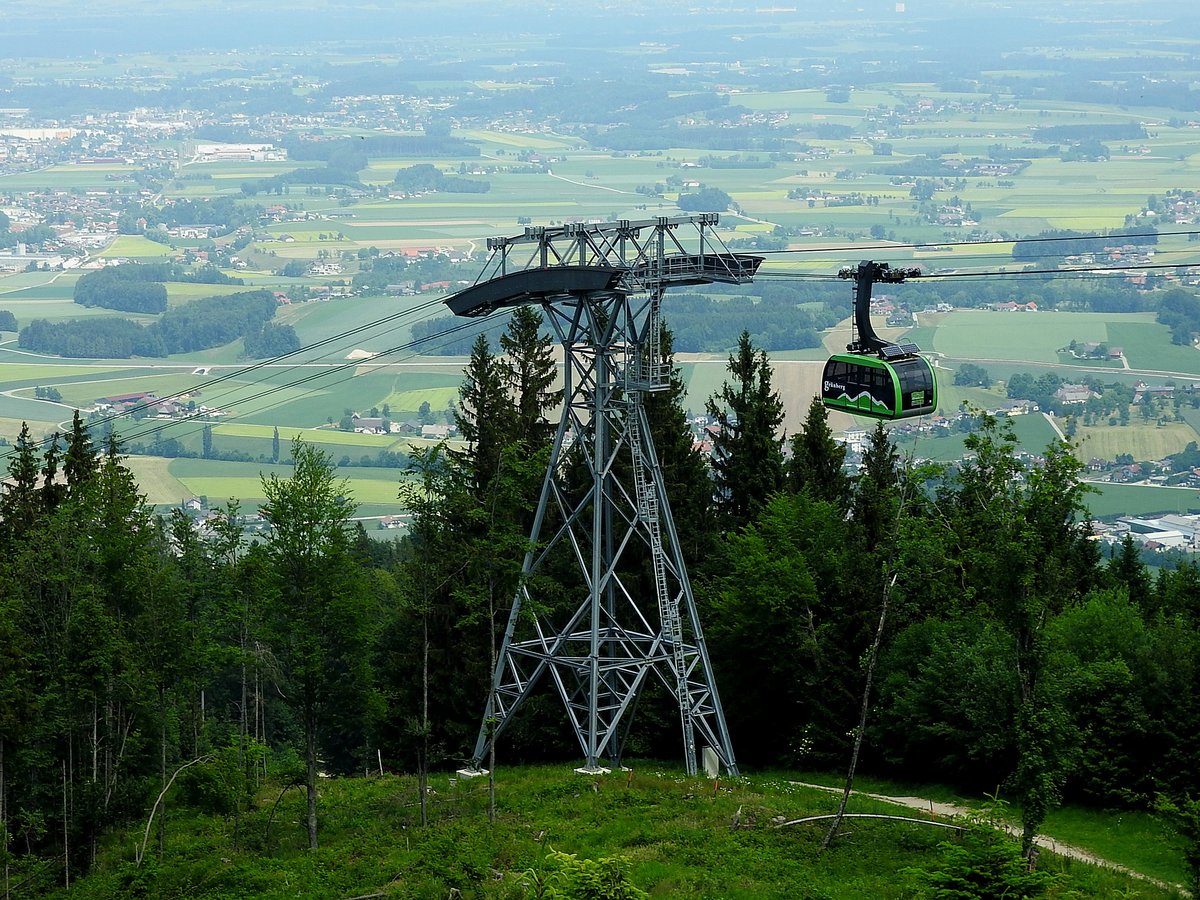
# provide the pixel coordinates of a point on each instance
(601, 287)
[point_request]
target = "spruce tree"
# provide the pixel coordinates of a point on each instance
(1127, 569)
(748, 449)
(529, 373)
(20, 506)
(873, 506)
(53, 491)
(1025, 556)
(817, 459)
(485, 417)
(80, 463)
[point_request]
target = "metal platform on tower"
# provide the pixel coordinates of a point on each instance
(601, 287)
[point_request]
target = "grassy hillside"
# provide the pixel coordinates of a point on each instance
(676, 836)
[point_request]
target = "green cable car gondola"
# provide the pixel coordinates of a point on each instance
(875, 377)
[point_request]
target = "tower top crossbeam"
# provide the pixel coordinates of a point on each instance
(646, 255)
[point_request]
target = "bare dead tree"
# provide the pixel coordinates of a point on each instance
(889, 582)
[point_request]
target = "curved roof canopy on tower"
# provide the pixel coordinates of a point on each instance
(543, 284)
(532, 286)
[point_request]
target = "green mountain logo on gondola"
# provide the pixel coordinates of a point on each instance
(856, 402)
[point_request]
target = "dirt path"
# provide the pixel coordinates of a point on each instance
(951, 810)
(1054, 424)
(599, 187)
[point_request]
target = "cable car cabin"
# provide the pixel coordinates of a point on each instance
(866, 385)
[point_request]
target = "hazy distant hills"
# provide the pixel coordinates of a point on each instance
(62, 28)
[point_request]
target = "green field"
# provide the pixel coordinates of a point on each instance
(310, 435)
(985, 335)
(1143, 441)
(1147, 345)
(1110, 500)
(135, 246)
(12, 374)
(671, 832)
(220, 481)
(437, 398)
(156, 481)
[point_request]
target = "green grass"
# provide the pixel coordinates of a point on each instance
(1134, 839)
(87, 389)
(672, 831)
(1034, 432)
(1068, 360)
(135, 246)
(224, 487)
(311, 435)
(1030, 337)
(179, 292)
(220, 480)
(1147, 345)
(1033, 435)
(1111, 500)
(411, 400)
(703, 379)
(1141, 440)
(1137, 840)
(14, 374)
(155, 480)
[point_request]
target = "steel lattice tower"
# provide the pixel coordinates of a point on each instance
(601, 288)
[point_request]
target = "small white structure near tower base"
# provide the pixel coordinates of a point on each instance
(592, 770)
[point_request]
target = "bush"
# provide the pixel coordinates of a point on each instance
(217, 787)
(983, 862)
(565, 876)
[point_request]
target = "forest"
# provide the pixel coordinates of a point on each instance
(196, 325)
(1002, 645)
(138, 287)
(424, 177)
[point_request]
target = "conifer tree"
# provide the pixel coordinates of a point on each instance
(485, 416)
(80, 463)
(817, 459)
(529, 373)
(875, 493)
(1127, 568)
(1025, 555)
(20, 506)
(748, 451)
(53, 491)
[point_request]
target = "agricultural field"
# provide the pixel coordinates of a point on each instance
(1109, 500)
(955, 142)
(1033, 435)
(1141, 441)
(220, 481)
(1147, 345)
(135, 247)
(1006, 344)
(985, 335)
